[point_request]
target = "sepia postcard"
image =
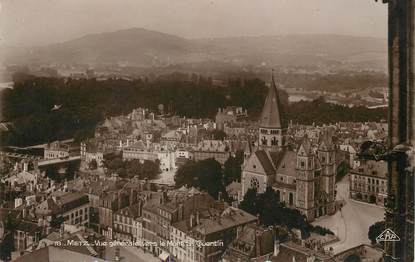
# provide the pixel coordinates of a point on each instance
(207, 130)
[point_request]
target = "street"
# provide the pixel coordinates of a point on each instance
(351, 224)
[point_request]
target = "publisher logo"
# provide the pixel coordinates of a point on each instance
(388, 236)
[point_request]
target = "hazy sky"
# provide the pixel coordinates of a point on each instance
(46, 21)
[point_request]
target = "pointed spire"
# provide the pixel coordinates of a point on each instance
(306, 144)
(271, 112)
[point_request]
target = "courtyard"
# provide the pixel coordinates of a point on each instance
(352, 222)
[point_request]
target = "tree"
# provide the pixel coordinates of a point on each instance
(372, 199)
(375, 230)
(209, 177)
(7, 245)
(249, 202)
(185, 174)
(150, 169)
(93, 164)
(218, 134)
(272, 212)
(353, 258)
(342, 170)
(232, 168)
(205, 175)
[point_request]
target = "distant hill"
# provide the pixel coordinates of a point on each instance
(141, 47)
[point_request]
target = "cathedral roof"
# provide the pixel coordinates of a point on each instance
(326, 140)
(288, 164)
(306, 145)
(271, 112)
(265, 161)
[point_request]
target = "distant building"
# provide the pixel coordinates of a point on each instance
(95, 150)
(152, 152)
(59, 149)
(369, 182)
(217, 149)
(230, 114)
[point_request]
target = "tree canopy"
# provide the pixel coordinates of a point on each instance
(205, 175)
(86, 102)
(375, 230)
(271, 211)
(127, 169)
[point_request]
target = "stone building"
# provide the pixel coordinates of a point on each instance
(230, 114)
(369, 182)
(303, 177)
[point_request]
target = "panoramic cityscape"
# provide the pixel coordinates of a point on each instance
(212, 133)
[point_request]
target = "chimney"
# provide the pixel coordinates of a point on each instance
(192, 220)
(25, 166)
(276, 247)
(131, 197)
(258, 243)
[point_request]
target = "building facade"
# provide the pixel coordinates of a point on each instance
(303, 177)
(369, 182)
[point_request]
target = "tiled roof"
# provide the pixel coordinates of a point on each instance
(230, 218)
(55, 254)
(265, 161)
(288, 164)
(271, 112)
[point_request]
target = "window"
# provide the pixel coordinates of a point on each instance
(254, 183)
(302, 164)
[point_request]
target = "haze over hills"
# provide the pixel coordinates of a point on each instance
(141, 47)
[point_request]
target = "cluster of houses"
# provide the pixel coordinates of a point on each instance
(299, 162)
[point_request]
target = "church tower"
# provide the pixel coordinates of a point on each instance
(327, 158)
(307, 179)
(272, 130)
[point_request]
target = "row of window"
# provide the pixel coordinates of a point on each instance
(270, 131)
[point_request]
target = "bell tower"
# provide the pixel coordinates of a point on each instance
(306, 179)
(272, 130)
(327, 155)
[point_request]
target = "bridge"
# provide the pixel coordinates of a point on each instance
(47, 162)
(20, 156)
